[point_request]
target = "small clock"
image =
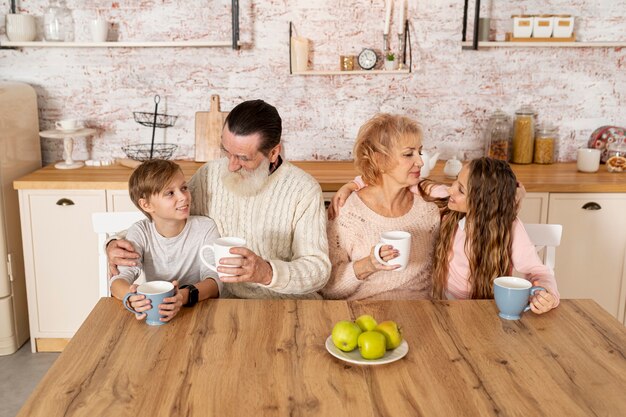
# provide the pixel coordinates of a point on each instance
(367, 59)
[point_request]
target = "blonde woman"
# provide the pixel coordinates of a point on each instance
(387, 156)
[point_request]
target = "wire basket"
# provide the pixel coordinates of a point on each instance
(147, 119)
(141, 152)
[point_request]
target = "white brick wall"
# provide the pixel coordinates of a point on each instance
(451, 92)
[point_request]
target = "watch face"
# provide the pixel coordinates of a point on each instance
(367, 59)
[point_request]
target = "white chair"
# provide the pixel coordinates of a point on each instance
(105, 225)
(546, 236)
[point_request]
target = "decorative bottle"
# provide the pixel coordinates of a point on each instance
(523, 136)
(498, 137)
(58, 24)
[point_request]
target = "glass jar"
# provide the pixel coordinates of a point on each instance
(545, 142)
(616, 157)
(58, 24)
(523, 136)
(498, 137)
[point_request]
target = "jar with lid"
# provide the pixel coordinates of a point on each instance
(523, 136)
(58, 24)
(616, 157)
(498, 137)
(545, 142)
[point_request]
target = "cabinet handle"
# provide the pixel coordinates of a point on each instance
(592, 206)
(65, 202)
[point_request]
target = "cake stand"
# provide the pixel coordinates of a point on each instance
(68, 144)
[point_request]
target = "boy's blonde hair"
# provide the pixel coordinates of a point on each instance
(376, 141)
(150, 178)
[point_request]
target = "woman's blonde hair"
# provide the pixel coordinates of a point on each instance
(377, 139)
(491, 211)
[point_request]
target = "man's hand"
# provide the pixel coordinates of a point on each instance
(249, 268)
(120, 252)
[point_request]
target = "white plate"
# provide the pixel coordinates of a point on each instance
(355, 355)
(69, 130)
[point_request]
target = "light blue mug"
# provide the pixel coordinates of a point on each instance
(512, 296)
(156, 292)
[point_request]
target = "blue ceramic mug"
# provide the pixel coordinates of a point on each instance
(156, 292)
(512, 296)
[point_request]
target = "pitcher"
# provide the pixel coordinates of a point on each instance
(429, 163)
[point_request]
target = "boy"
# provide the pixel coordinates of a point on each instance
(167, 241)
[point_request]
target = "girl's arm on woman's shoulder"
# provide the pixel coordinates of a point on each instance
(527, 262)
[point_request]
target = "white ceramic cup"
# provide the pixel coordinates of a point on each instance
(21, 27)
(68, 124)
(588, 160)
(221, 249)
(299, 54)
(399, 240)
(99, 29)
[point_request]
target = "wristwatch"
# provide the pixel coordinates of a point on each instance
(193, 294)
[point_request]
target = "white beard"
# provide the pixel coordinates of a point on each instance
(245, 183)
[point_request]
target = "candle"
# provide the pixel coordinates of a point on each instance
(388, 5)
(401, 16)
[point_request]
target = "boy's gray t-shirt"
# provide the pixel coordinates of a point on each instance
(167, 259)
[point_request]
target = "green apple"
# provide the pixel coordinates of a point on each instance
(372, 345)
(392, 333)
(366, 322)
(346, 335)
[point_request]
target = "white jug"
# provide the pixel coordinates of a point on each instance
(429, 163)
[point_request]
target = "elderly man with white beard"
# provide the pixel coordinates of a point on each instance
(252, 193)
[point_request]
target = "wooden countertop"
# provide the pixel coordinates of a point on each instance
(561, 177)
(267, 357)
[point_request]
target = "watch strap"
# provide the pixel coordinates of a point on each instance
(193, 294)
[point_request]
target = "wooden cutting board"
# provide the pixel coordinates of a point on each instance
(209, 131)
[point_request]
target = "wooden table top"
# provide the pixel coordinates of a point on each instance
(262, 357)
(561, 177)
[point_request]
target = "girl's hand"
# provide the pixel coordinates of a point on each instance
(541, 302)
(171, 305)
(340, 198)
(138, 303)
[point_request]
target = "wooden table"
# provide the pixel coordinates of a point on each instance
(257, 358)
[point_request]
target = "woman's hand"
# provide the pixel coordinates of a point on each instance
(171, 305)
(367, 266)
(340, 198)
(120, 252)
(139, 303)
(541, 302)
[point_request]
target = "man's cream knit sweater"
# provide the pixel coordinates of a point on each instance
(285, 224)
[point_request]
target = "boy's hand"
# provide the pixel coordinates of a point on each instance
(340, 198)
(120, 252)
(541, 302)
(138, 303)
(171, 305)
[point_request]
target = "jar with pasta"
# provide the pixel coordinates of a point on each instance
(523, 136)
(545, 142)
(498, 137)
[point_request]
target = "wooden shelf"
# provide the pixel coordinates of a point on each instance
(503, 44)
(355, 72)
(165, 44)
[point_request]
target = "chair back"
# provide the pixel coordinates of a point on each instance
(546, 236)
(106, 225)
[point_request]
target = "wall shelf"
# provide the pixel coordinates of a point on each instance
(600, 44)
(156, 44)
(354, 72)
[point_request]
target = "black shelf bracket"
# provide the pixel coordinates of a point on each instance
(476, 20)
(235, 23)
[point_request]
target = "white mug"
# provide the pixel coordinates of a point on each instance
(99, 29)
(221, 249)
(588, 160)
(68, 124)
(20, 27)
(401, 241)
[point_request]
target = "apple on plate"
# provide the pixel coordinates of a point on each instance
(366, 322)
(345, 335)
(392, 333)
(372, 345)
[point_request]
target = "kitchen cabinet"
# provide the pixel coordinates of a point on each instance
(119, 200)
(60, 260)
(534, 208)
(590, 262)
